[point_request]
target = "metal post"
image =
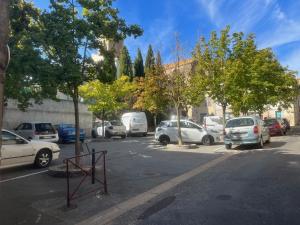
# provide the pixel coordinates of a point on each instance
(104, 173)
(93, 166)
(68, 185)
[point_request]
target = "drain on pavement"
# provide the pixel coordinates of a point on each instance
(163, 203)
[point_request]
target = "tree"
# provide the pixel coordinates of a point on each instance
(151, 95)
(213, 67)
(103, 98)
(139, 65)
(233, 72)
(125, 63)
(150, 59)
(158, 59)
(261, 81)
(29, 75)
(4, 30)
(69, 34)
(105, 70)
(180, 89)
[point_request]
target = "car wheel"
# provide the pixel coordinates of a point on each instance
(207, 140)
(228, 146)
(123, 136)
(145, 134)
(164, 140)
(43, 158)
(261, 143)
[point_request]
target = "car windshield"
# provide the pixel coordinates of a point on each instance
(44, 127)
(241, 122)
(269, 122)
(116, 123)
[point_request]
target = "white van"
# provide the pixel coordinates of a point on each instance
(213, 123)
(135, 123)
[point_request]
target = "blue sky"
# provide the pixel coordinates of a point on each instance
(275, 23)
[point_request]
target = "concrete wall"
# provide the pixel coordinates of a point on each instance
(49, 111)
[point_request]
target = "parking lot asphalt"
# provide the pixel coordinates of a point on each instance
(134, 165)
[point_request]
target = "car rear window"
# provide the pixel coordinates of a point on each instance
(44, 127)
(217, 120)
(242, 122)
(269, 122)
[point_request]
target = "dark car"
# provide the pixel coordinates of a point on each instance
(275, 127)
(66, 133)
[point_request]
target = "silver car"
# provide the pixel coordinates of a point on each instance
(245, 130)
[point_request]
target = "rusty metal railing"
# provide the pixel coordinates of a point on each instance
(88, 168)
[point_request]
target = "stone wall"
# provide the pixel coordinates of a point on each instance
(50, 111)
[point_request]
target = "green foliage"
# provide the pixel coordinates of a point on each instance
(71, 30)
(232, 71)
(158, 59)
(150, 59)
(139, 65)
(107, 97)
(150, 93)
(105, 70)
(125, 63)
(29, 75)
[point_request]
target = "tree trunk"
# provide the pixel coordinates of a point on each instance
(4, 30)
(154, 118)
(77, 128)
(224, 114)
(102, 117)
(178, 125)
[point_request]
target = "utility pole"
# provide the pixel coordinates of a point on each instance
(4, 56)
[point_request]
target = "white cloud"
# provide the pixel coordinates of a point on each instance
(292, 60)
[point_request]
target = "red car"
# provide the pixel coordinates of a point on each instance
(275, 127)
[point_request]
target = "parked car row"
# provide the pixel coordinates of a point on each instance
(132, 123)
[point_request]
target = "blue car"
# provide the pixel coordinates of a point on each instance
(66, 133)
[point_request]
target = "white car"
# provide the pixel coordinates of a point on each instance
(135, 123)
(111, 128)
(17, 151)
(38, 131)
(167, 132)
(213, 123)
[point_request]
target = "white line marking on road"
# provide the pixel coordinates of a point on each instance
(217, 149)
(108, 215)
(24, 176)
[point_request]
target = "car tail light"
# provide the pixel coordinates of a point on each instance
(255, 129)
(277, 126)
(37, 133)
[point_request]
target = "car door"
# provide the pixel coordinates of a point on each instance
(15, 150)
(195, 132)
(186, 131)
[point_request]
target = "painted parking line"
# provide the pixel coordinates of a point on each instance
(118, 210)
(23, 176)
